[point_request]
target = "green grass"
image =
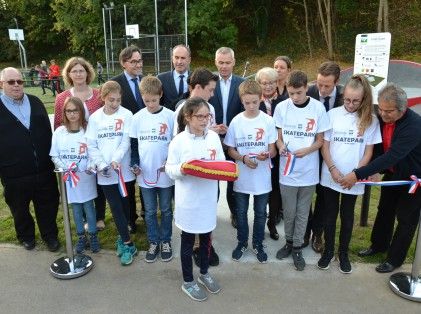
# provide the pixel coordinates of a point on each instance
(360, 238)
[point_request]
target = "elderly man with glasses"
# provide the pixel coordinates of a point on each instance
(26, 170)
(399, 157)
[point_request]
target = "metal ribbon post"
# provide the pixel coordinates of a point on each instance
(408, 285)
(70, 266)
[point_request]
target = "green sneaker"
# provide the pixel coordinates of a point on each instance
(128, 252)
(119, 246)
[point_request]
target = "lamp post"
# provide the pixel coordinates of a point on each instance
(109, 8)
(105, 44)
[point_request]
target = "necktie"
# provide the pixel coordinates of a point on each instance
(181, 86)
(326, 103)
(137, 91)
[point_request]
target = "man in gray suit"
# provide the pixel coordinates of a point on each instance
(227, 104)
(174, 83)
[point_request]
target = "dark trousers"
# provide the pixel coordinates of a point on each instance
(346, 211)
(316, 215)
(187, 241)
(230, 191)
(275, 200)
(42, 190)
(132, 215)
(396, 202)
(100, 204)
(119, 208)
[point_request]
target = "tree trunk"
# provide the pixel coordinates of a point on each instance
(380, 17)
(310, 50)
(386, 15)
(325, 13)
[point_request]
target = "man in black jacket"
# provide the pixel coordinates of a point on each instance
(330, 94)
(26, 170)
(399, 158)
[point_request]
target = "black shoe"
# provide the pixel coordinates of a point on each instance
(213, 258)
(344, 263)
(234, 221)
(196, 257)
(385, 267)
(273, 232)
(29, 245)
(52, 244)
(324, 261)
(306, 242)
(368, 252)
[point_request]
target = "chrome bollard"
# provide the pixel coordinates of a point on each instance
(408, 285)
(70, 266)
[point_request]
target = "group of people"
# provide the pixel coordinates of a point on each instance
(48, 76)
(289, 141)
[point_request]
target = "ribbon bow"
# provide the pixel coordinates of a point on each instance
(71, 176)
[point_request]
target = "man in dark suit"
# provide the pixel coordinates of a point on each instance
(330, 94)
(131, 61)
(174, 83)
(26, 169)
(227, 104)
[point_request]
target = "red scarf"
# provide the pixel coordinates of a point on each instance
(388, 129)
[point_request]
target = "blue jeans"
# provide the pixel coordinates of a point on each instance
(89, 209)
(260, 202)
(158, 233)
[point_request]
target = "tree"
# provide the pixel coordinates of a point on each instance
(383, 17)
(325, 13)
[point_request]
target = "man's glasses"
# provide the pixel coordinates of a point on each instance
(14, 82)
(202, 117)
(136, 62)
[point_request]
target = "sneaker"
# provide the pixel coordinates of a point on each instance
(213, 257)
(261, 255)
(93, 239)
(238, 252)
(210, 284)
(324, 261)
(297, 257)
(152, 253)
(166, 252)
(100, 225)
(285, 251)
(81, 244)
(119, 246)
(129, 251)
(193, 290)
(344, 264)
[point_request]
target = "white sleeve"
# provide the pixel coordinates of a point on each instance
(54, 151)
(277, 115)
(229, 139)
(95, 154)
(323, 124)
(173, 165)
(273, 134)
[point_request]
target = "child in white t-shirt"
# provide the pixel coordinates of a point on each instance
(347, 145)
(251, 141)
(69, 153)
(151, 130)
(195, 198)
(301, 121)
(109, 148)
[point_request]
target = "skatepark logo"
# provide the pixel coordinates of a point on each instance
(259, 134)
(118, 124)
(163, 128)
(310, 124)
(82, 148)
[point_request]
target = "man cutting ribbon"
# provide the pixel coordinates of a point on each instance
(399, 157)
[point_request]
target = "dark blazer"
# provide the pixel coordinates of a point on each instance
(274, 103)
(234, 102)
(313, 92)
(128, 100)
(170, 93)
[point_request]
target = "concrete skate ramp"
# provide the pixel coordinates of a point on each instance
(406, 74)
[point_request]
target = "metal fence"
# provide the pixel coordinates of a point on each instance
(154, 61)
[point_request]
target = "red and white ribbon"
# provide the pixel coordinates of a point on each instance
(71, 176)
(414, 183)
(121, 184)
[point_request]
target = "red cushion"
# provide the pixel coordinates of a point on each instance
(211, 169)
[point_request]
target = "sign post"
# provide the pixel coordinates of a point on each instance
(17, 34)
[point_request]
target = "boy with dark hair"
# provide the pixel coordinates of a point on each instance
(301, 121)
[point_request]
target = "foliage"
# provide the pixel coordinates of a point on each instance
(209, 27)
